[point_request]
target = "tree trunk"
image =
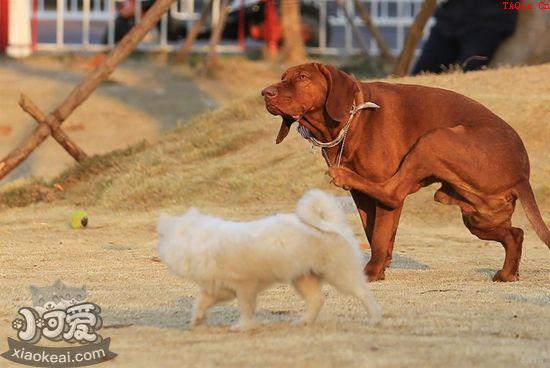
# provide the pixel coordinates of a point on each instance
(415, 35)
(294, 50)
(530, 43)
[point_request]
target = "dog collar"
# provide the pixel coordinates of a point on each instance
(341, 137)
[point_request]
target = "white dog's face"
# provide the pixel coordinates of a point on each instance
(170, 231)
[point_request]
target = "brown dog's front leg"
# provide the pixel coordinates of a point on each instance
(380, 226)
(382, 192)
(383, 237)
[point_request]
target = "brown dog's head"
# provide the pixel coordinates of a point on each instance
(309, 89)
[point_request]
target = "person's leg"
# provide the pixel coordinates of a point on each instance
(122, 26)
(441, 49)
(478, 44)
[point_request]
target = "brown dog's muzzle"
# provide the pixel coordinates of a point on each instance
(269, 93)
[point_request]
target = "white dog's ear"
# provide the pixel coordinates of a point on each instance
(164, 223)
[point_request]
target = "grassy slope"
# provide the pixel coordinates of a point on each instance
(227, 155)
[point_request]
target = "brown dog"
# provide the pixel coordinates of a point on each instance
(384, 141)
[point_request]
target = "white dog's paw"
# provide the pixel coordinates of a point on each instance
(195, 322)
(375, 320)
(302, 321)
(242, 326)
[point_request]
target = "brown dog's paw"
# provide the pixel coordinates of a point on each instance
(340, 177)
(379, 276)
(500, 277)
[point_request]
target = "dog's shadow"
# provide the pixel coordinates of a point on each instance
(178, 316)
(402, 262)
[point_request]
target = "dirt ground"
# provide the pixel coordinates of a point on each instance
(440, 307)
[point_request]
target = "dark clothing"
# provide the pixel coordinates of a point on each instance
(489, 13)
(468, 33)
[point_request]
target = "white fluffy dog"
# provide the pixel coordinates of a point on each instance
(239, 259)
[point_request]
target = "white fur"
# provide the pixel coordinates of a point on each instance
(239, 259)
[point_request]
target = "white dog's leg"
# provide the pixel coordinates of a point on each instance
(352, 283)
(203, 302)
(366, 296)
(309, 287)
(246, 297)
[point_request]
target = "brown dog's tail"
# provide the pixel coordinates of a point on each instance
(527, 198)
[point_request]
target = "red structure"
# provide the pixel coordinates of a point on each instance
(272, 27)
(3, 25)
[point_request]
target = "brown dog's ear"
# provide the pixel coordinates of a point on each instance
(341, 90)
(283, 130)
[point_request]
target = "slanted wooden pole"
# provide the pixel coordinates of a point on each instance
(415, 35)
(183, 53)
(215, 37)
(357, 35)
(82, 91)
(374, 31)
(59, 135)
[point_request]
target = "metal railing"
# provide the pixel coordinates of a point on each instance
(83, 24)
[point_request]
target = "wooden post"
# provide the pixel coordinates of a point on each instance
(215, 37)
(182, 54)
(415, 34)
(294, 50)
(60, 136)
(82, 91)
(374, 31)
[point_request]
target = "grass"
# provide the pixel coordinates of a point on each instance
(227, 155)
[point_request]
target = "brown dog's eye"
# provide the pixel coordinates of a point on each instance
(303, 76)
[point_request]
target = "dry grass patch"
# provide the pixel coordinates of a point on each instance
(227, 155)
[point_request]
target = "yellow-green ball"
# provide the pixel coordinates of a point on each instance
(79, 219)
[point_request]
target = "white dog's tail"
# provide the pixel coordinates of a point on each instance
(321, 211)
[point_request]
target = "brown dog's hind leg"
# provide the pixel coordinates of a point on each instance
(447, 195)
(511, 239)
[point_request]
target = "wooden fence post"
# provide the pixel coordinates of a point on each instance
(82, 91)
(59, 135)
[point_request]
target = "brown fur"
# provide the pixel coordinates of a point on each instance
(419, 136)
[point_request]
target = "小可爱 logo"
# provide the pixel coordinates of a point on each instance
(59, 313)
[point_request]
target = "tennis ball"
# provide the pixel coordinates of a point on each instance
(79, 219)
